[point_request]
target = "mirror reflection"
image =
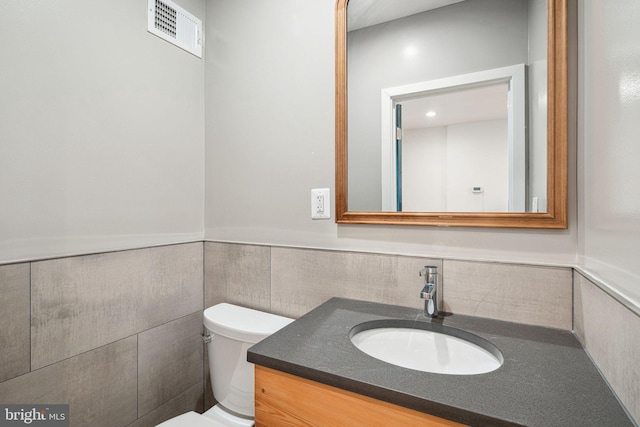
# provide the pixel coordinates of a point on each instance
(456, 144)
(483, 147)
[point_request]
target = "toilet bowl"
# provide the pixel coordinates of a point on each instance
(232, 330)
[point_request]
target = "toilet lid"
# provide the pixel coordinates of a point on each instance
(241, 323)
(190, 419)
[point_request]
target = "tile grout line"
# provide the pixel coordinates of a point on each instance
(271, 279)
(137, 376)
(30, 317)
(202, 328)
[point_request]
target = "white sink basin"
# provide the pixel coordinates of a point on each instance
(428, 350)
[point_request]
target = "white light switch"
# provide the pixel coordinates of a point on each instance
(320, 203)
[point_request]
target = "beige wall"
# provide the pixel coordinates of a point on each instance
(101, 130)
(270, 140)
(609, 208)
(88, 163)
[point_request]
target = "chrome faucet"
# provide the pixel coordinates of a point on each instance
(429, 292)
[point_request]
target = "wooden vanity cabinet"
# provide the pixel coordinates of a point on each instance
(286, 400)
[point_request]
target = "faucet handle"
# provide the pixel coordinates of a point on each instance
(428, 291)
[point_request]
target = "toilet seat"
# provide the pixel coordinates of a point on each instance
(191, 419)
(214, 417)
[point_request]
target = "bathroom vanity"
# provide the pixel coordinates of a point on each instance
(290, 400)
(311, 373)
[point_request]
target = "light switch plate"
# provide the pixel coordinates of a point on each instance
(320, 203)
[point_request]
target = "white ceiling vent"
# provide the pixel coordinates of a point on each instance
(169, 21)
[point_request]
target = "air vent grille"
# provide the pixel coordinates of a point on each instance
(175, 25)
(165, 18)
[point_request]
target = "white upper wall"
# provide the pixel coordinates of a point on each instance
(478, 157)
(102, 135)
(270, 139)
(441, 165)
(101, 130)
(609, 208)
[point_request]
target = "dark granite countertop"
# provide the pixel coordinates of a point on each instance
(546, 379)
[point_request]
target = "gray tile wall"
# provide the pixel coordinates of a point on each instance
(291, 281)
(610, 333)
(170, 360)
(115, 335)
(14, 333)
(99, 385)
(302, 279)
(238, 274)
(529, 294)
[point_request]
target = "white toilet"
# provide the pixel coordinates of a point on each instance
(233, 330)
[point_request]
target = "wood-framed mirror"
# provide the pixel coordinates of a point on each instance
(555, 100)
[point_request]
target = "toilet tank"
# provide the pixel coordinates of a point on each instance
(233, 330)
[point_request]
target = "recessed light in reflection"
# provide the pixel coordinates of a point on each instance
(410, 51)
(431, 114)
(629, 87)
